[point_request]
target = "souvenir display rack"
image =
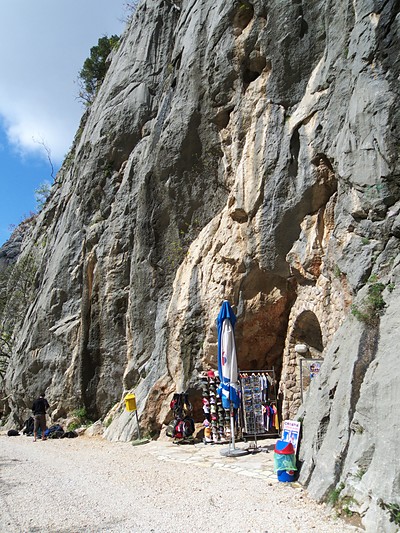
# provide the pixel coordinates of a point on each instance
(259, 414)
(216, 418)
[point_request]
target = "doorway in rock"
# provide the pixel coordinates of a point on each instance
(307, 330)
(260, 341)
(305, 345)
(264, 303)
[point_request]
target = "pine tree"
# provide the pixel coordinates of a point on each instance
(95, 67)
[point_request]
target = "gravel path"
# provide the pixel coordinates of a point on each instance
(92, 485)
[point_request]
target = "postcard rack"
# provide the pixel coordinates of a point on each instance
(259, 414)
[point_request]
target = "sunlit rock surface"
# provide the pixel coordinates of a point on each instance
(236, 150)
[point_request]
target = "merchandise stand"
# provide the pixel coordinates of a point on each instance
(259, 414)
(217, 427)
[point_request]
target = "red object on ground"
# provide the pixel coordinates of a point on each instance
(284, 448)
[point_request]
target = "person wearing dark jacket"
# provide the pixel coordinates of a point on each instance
(39, 408)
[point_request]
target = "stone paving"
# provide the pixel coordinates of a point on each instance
(258, 463)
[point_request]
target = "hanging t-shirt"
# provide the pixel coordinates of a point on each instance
(275, 418)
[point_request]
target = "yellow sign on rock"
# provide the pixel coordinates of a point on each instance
(130, 402)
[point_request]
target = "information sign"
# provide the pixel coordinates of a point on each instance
(291, 432)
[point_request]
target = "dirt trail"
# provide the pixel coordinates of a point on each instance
(92, 485)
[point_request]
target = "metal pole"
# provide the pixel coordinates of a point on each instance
(138, 427)
(232, 445)
(255, 420)
(232, 451)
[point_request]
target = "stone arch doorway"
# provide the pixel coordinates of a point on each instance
(305, 344)
(307, 330)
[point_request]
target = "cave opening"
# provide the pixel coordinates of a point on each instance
(262, 330)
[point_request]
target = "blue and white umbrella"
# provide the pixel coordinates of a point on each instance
(227, 362)
(228, 371)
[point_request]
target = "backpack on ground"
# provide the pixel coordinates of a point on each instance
(179, 430)
(188, 426)
(28, 426)
(12, 433)
(69, 435)
(182, 426)
(54, 432)
(56, 435)
(170, 432)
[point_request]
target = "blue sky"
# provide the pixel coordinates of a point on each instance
(44, 44)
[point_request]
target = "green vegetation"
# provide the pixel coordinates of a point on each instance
(375, 297)
(341, 503)
(337, 272)
(394, 511)
(370, 308)
(108, 421)
(391, 287)
(73, 425)
(359, 315)
(94, 68)
(81, 419)
(360, 473)
(42, 193)
(176, 253)
(347, 510)
(334, 495)
(81, 414)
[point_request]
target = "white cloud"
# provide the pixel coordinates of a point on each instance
(44, 45)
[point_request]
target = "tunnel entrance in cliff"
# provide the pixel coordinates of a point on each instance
(260, 341)
(261, 328)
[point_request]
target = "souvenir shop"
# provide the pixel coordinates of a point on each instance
(257, 415)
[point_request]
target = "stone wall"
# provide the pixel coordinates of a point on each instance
(323, 299)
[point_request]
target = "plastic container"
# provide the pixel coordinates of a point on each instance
(284, 448)
(286, 475)
(284, 461)
(130, 402)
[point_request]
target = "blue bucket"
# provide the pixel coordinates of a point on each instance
(286, 475)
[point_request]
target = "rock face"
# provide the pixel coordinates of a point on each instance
(239, 150)
(350, 427)
(11, 250)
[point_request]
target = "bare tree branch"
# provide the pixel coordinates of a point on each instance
(48, 154)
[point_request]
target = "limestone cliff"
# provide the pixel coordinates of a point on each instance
(240, 150)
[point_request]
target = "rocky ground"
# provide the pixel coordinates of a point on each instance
(92, 485)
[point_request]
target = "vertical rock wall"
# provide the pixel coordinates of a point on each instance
(240, 150)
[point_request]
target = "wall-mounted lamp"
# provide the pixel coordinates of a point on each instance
(301, 348)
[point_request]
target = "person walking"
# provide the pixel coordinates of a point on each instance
(39, 408)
